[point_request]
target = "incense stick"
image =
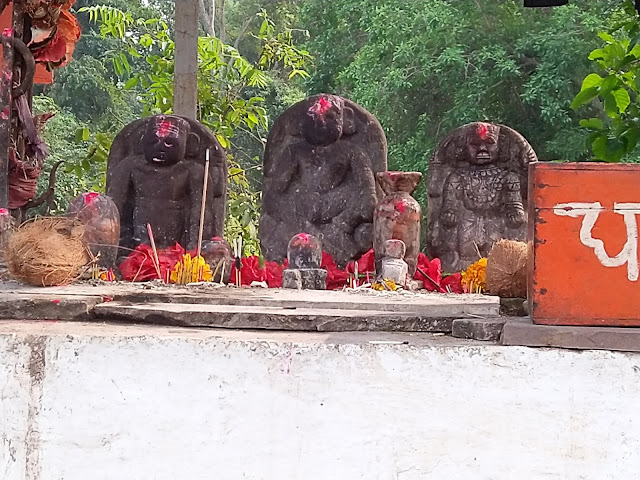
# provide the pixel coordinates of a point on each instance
(154, 260)
(204, 202)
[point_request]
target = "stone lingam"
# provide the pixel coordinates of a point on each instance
(398, 216)
(217, 253)
(155, 175)
(99, 214)
(319, 166)
(392, 264)
(305, 257)
(477, 192)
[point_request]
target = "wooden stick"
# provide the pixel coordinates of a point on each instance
(155, 260)
(204, 203)
(224, 262)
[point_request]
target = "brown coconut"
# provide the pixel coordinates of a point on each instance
(507, 269)
(47, 251)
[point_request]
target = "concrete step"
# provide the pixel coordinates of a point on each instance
(270, 318)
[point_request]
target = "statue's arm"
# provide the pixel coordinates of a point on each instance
(279, 177)
(196, 184)
(216, 201)
(119, 182)
(512, 197)
(452, 201)
(354, 200)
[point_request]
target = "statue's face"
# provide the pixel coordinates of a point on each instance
(165, 140)
(323, 121)
(482, 144)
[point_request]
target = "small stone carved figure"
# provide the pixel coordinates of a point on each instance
(393, 267)
(305, 257)
(155, 175)
(477, 192)
(217, 253)
(99, 214)
(319, 167)
(398, 216)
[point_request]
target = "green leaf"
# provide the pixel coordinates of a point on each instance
(630, 137)
(82, 134)
(609, 83)
(596, 54)
(584, 97)
(606, 37)
(591, 80)
(592, 123)
(132, 82)
(610, 105)
(622, 99)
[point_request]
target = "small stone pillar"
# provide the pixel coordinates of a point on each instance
(305, 257)
(393, 266)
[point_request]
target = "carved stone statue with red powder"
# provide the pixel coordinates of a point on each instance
(155, 176)
(319, 166)
(477, 192)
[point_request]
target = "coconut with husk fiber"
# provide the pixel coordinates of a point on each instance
(47, 251)
(506, 273)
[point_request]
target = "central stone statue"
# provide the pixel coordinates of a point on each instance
(155, 175)
(320, 163)
(477, 192)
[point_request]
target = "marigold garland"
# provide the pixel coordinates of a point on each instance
(191, 270)
(474, 279)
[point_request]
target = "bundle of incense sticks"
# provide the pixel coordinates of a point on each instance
(237, 253)
(202, 212)
(154, 260)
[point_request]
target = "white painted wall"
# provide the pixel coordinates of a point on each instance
(127, 403)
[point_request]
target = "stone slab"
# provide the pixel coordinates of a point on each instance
(524, 332)
(271, 318)
(514, 307)
(426, 304)
(256, 308)
(48, 307)
(483, 329)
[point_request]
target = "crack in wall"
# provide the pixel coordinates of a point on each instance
(36, 368)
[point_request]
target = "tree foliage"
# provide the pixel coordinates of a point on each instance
(614, 89)
(426, 67)
(229, 88)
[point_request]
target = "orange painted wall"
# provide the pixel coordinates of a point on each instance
(42, 75)
(568, 283)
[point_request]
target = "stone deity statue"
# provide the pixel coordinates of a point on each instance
(319, 166)
(155, 175)
(477, 193)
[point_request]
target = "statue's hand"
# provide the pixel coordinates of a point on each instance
(515, 217)
(449, 219)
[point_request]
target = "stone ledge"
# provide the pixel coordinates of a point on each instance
(209, 306)
(482, 329)
(525, 333)
(271, 318)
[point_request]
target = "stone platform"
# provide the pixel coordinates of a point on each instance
(91, 401)
(245, 308)
(523, 332)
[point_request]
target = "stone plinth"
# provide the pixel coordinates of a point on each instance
(103, 402)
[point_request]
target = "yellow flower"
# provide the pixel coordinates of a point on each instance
(191, 270)
(386, 284)
(474, 278)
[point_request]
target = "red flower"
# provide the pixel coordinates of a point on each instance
(336, 277)
(366, 263)
(433, 270)
(454, 282)
(138, 266)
